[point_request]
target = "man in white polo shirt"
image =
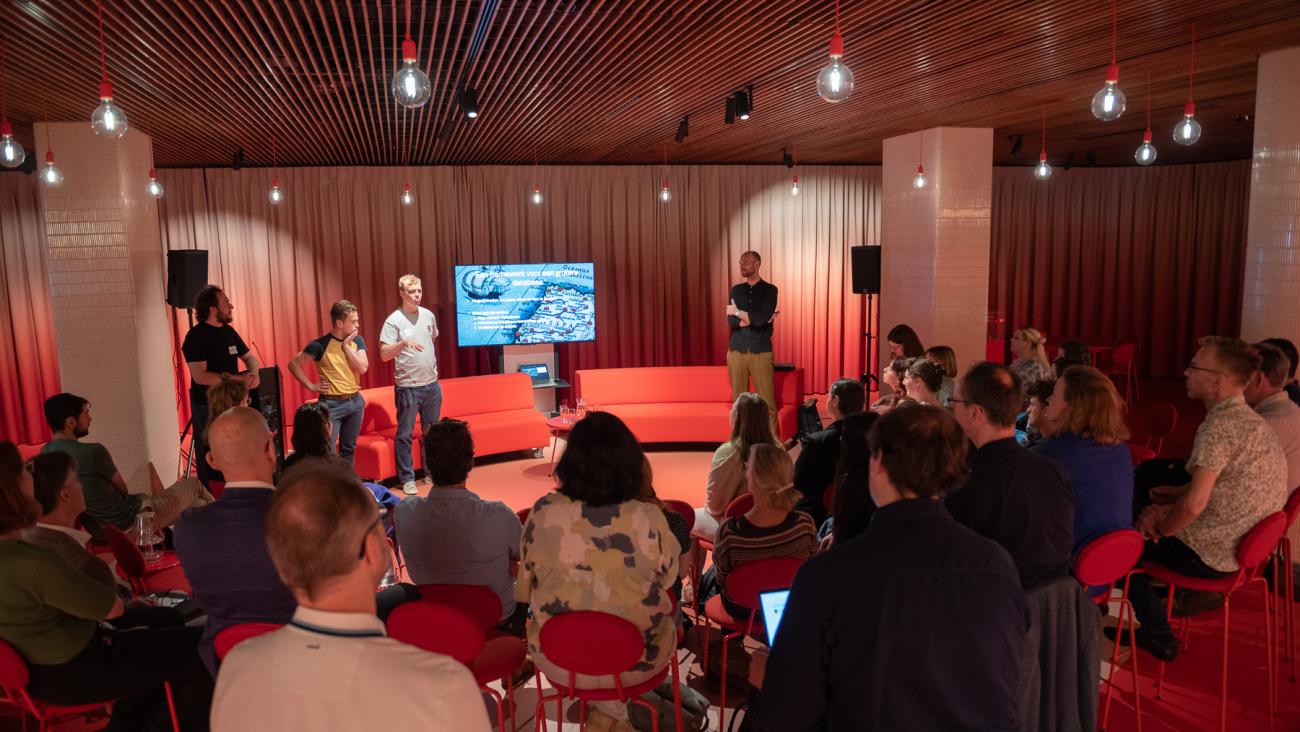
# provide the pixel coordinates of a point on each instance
(407, 338)
(331, 667)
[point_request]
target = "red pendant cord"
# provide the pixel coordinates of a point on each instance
(920, 153)
(1148, 100)
(408, 20)
(1043, 150)
(1191, 73)
(1114, 24)
(3, 114)
(103, 62)
(837, 16)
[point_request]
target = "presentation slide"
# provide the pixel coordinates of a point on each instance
(515, 304)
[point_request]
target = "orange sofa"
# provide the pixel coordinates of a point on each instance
(680, 403)
(498, 408)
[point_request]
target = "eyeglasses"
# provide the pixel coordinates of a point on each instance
(361, 553)
(955, 400)
(1194, 367)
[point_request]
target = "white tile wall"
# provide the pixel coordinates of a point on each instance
(935, 265)
(106, 279)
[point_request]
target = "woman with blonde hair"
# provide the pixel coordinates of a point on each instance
(1085, 418)
(946, 359)
(771, 528)
(1031, 364)
(749, 427)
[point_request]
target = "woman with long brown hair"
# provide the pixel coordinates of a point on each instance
(749, 427)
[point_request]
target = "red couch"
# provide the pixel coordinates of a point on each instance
(680, 403)
(498, 408)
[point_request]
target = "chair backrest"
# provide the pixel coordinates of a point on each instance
(1259, 542)
(592, 643)
(684, 509)
(125, 551)
(437, 628)
(523, 514)
(233, 635)
(1292, 508)
(747, 581)
(216, 488)
(1123, 354)
(1108, 557)
(1140, 453)
(739, 505)
(13, 669)
(1159, 421)
(477, 601)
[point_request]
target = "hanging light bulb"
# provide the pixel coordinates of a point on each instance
(275, 195)
(11, 153)
(408, 198)
(51, 176)
(1146, 152)
(410, 84)
(154, 188)
(1043, 170)
(537, 194)
(835, 80)
(665, 195)
(1188, 131)
(919, 181)
(1108, 102)
(108, 119)
(794, 186)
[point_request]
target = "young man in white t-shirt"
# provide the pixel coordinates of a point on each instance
(407, 338)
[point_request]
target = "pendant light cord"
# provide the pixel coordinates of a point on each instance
(408, 20)
(3, 111)
(1148, 99)
(837, 16)
(1191, 73)
(1114, 25)
(1044, 112)
(103, 61)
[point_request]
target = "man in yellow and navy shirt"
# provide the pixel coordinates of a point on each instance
(341, 359)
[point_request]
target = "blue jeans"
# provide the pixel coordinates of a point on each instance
(345, 423)
(199, 443)
(426, 401)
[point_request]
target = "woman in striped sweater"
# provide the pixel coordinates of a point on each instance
(770, 529)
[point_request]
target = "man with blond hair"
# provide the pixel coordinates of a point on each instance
(331, 666)
(407, 340)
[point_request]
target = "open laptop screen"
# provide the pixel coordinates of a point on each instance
(773, 606)
(538, 372)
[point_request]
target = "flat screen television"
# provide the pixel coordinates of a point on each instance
(516, 304)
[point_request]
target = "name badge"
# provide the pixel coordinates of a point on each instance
(234, 350)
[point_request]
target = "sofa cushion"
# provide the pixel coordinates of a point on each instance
(486, 394)
(675, 422)
(654, 385)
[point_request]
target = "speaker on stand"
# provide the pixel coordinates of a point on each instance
(187, 273)
(266, 399)
(865, 262)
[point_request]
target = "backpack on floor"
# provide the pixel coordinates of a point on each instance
(695, 709)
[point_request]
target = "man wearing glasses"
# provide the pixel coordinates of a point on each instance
(1238, 477)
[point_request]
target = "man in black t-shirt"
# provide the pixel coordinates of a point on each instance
(213, 351)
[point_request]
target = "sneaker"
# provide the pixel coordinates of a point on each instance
(1164, 648)
(409, 488)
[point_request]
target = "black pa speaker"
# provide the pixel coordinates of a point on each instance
(866, 270)
(187, 273)
(266, 399)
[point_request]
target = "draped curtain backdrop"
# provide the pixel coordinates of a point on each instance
(1152, 254)
(662, 270)
(29, 366)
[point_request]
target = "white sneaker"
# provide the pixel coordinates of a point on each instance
(409, 488)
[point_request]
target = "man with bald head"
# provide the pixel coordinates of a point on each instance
(222, 546)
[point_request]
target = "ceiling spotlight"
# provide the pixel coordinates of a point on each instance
(729, 114)
(744, 103)
(469, 103)
(786, 158)
(1016, 142)
(683, 129)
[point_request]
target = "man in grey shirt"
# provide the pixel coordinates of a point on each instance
(453, 536)
(407, 338)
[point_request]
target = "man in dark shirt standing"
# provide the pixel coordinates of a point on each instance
(917, 624)
(814, 470)
(213, 351)
(1013, 496)
(751, 305)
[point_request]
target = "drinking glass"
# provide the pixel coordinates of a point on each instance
(147, 536)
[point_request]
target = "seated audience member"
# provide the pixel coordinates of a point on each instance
(749, 427)
(814, 470)
(592, 545)
(1030, 364)
(108, 501)
(923, 381)
(946, 359)
(904, 343)
(1062, 363)
(676, 523)
(331, 667)
(226, 394)
(853, 505)
(222, 547)
(1017, 498)
(51, 613)
(1292, 387)
(1087, 437)
(1266, 395)
(893, 378)
(772, 528)
(454, 537)
(1238, 478)
(1036, 423)
(1076, 351)
(312, 438)
(919, 624)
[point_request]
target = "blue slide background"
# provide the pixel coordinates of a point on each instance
(509, 304)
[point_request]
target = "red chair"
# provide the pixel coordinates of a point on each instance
(1286, 582)
(598, 644)
(451, 631)
(1123, 364)
(233, 635)
(477, 601)
(216, 487)
(523, 515)
(683, 509)
(738, 507)
(744, 584)
(1255, 547)
(14, 677)
(141, 574)
(1139, 453)
(1159, 421)
(1101, 563)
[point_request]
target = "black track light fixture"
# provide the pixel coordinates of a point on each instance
(683, 129)
(469, 102)
(744, 102)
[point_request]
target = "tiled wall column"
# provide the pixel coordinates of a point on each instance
(106, 279)
(935, 263)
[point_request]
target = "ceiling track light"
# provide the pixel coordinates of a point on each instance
(469, 102)
(683, 129)
(744, 102)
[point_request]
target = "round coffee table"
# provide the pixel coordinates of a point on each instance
(560, 428)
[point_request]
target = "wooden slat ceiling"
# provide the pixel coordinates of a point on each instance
(586, 81)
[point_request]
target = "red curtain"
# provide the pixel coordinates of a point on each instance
(662, 270)
(1153, 254)
(29, 365)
